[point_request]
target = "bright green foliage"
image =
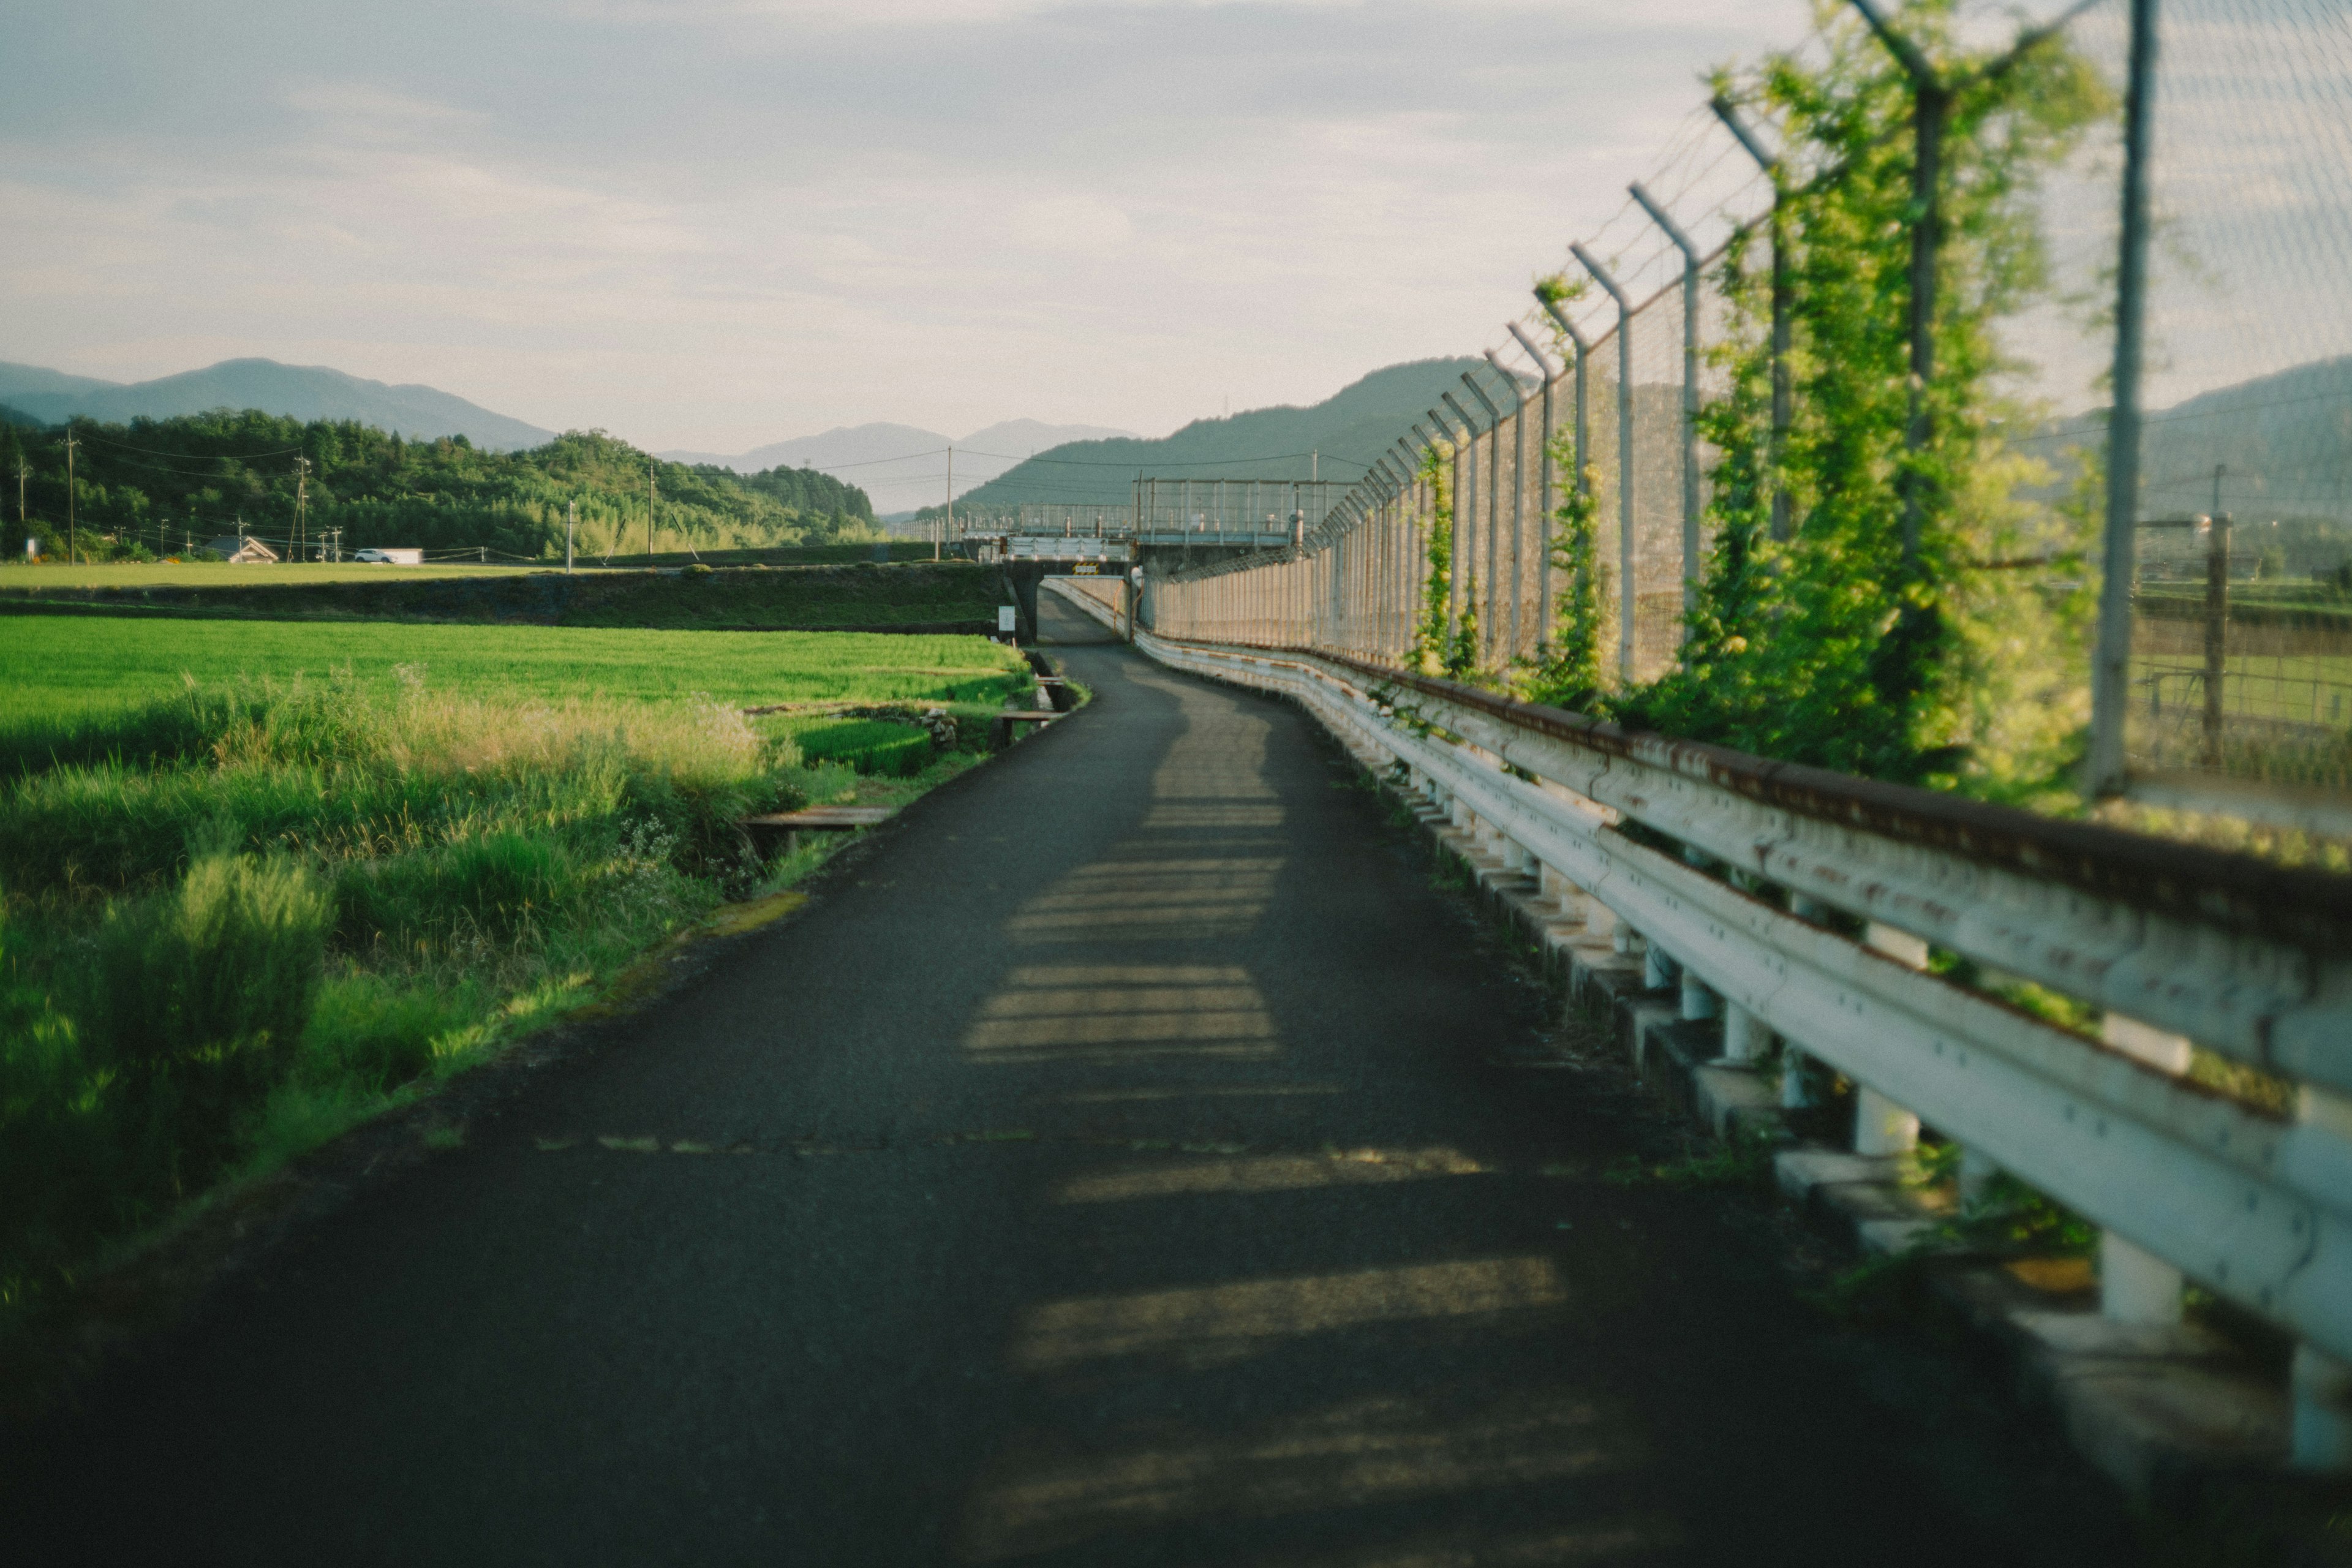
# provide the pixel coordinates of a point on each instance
(1461, 651)
(1429, 651)
(1570, 675)
(153, 484)
(243, 914)
(83, 687)
(868, 745)
(1832, 649)
(198, 1000)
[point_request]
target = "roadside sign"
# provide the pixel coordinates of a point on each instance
(1086, 569)
(1007, 619)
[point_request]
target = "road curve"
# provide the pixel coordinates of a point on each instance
(1133, 1159)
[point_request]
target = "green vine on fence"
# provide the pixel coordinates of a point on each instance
(1569, 674)
(1430, 653)
(1461, 651)
(1831, 648)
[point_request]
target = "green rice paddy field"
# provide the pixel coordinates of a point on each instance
(63, 668)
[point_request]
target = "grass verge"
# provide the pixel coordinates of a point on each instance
(264, 914)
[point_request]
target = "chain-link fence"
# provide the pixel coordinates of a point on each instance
(2242, 623)
(1968, 498)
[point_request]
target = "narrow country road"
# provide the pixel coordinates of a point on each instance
(1133, 1159)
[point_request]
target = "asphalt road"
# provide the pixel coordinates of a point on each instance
(1134, 1158)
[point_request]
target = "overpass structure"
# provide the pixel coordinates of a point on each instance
(1170, 526)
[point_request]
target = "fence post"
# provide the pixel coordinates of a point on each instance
(1466, 530)
(1582, 479)
(2216, 627)
(1494, 503)
(1690, 395)
(1624, 459)
(1543, 504)
(1518, 491)
(2111, 665)
(1782, 400)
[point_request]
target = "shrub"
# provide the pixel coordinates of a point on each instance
(54, 1135)
(383, 1034)
(198, 1000)
(869, 745)
(495, 887)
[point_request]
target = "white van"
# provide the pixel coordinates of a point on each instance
(390, 557)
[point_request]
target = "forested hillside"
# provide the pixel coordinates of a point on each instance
(155, 486)
(1335, 438)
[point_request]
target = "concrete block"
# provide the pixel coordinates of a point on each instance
(2066, 1335)
(2149, 1423)
(1734, 1099)
(1636, 1018)
(1673, 1052)
(1863, 1203)
(1887, 1238)
(1802, 1171)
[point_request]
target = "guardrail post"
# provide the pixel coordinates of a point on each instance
(1746, 1039)
(1880, 1125)
(2320, 1383)
(1976, 1174)
(2135, 1286)
(1658, 970)
(2320, 1386)
(1699, 999)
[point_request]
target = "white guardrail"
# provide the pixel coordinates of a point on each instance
(2174, 943)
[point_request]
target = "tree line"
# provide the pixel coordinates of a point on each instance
(155, 488)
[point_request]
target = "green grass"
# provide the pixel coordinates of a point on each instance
(868, 745)
(248, 913)
(947, 597)
(17, 575)
(58, 672)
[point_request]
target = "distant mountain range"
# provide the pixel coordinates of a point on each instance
(2284, 441)
(902, 465)
(299, 392)
(1335, 438)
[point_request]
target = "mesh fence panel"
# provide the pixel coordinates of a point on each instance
(2242, 626)
(1657, 400)
(2242, 656)
(1608, 487)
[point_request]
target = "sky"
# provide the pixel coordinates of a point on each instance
(713, 224)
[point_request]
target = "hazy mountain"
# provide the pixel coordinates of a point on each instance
(2285, 439)
(298, 391)
(1348, 430)
(21, 380)
(902, 465)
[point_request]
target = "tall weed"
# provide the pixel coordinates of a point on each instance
(197, 1003)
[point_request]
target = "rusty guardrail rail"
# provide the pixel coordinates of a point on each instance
(2177, 945)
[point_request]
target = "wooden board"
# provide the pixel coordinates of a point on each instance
(824, 817)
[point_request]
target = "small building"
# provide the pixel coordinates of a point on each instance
(243, 551)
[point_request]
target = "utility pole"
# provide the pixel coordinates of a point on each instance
(301, 498)
(571, 522)
(72, 543)
(24, 518)
(951, 491)
(651, 494)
